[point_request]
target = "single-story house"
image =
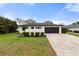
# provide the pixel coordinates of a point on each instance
(40, 27)
(73, 28)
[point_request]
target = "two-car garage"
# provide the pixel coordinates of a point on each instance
(51, 29)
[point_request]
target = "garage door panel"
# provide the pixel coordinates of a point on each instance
(51, 29)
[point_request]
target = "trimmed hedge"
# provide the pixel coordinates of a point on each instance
(3, 30)
(64, 30)
(37, 34)
(42, 34)
(25, 34)
(32, 33)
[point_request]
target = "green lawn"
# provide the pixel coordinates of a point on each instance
(11, 44)
(75, 34)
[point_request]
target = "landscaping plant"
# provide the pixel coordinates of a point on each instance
(37, 34)
(32, 33)
(25, 34)
(42, 34)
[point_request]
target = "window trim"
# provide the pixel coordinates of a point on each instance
(32, 27)
(38, 27)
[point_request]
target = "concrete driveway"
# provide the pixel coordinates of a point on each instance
(64, 44)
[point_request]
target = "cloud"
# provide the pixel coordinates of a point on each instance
(3, 4)
(77, 20)
(72, 7)
(69, 5)
(57, 21)
(27, 17)
(32, 4)
(8, 15)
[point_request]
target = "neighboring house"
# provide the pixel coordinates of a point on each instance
(74, 28)
(40, 27)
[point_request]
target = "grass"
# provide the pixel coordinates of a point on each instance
(12, 45)
(71, 33)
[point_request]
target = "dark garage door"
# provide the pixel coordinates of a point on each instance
(51, 29)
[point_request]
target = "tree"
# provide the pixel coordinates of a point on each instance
(3, 30)
(73, 23)
(21, 21)
(30, 21)
(7, 25)
(64, 29)
(77, 22)
(12, 27)
(48, 22)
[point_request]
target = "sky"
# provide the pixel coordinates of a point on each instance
(58, 13)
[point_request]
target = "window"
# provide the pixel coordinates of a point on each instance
(32, 27)
(38, 27)
(23, 28)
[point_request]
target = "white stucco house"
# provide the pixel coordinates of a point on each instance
(40, 27)
(74, 28)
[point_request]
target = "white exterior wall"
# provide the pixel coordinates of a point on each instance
(74, 29)
(60, 30)
(19, 29)
(31, 30)
(36, 30)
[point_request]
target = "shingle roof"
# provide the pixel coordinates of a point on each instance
(40, 24)
(74, 26)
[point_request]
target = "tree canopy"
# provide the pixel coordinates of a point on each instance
(75, 23)
(48, 22)
(7, 25)
(21, 21)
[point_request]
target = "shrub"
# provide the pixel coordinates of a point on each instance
(76, 31)
(32, 33)
(42, 33)
(3, 30)
(64, 30)
(25, 34)
(37, 34)
(70, 30)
